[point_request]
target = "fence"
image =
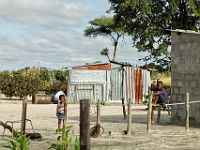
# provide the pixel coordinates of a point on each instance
(120, 82)
(187, 111)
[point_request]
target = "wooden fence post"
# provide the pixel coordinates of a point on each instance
(65, 118)
(85, 124)
(129, 121)
(149, 114)
(187, 112)
(65, 112)
(24, 112)
(98, 113)
(159, 113)
(124, 108)
(93, 90)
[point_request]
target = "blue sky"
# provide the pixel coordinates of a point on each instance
(49, 33)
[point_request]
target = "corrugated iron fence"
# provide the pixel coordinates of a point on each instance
(122, 83)
(93, 91)
(92, 84)
(107, 85)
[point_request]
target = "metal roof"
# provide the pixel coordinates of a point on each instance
(185, 31)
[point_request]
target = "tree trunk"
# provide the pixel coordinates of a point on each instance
(115, 50)
(183, 14)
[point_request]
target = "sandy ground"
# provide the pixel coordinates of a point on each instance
(163, 135)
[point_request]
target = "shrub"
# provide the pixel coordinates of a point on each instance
(18, 142)
(68, 140)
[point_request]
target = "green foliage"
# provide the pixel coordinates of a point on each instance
(103, 26)
(147, 20)
(60, 75)
(19, 84)
(18, 142)
(68, 140)
(45, 75)
(7, 84)
(105, 52)
(55, 87)
(157, 68)
(106, 27)
(28, 82)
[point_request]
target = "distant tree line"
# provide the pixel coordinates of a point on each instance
(29, 81)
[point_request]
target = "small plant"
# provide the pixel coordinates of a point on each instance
(18, 142)
(68, 140)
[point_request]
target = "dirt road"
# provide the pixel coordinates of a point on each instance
(162, 136)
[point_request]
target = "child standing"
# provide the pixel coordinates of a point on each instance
(60, 110)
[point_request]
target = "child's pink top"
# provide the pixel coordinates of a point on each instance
(60, 108)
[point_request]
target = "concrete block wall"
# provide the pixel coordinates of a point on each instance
(185, 74)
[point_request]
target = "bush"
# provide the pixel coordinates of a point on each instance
(18, 142)
(68, 139)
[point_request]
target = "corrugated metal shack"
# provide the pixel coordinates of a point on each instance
(105, 82)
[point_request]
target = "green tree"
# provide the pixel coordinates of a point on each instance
(61, 75)
(106, 27)
(7, 84)
(147, 20)
(59, 78)
(19, 84)
(55, 87)
(27, 84)
(45, 75)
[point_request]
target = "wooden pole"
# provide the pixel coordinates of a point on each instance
(65, 112)
(129, 121)
(93, 89)
(76, 94)
(159, 113)
(122, 90)
(24, 112)
(98, 113)
(124, 108)
(149, 114)
(102, 93)
(187, 112)
(98, 121)
(85, 124)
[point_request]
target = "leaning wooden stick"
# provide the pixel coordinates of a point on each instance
(149, 114)
(15, 132)
(187, 113)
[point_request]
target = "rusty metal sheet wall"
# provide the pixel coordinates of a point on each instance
(138, 86)
(106, 85)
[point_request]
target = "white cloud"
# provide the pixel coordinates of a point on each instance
(41, 12)
(50, 33)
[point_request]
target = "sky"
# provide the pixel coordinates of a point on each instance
(49, 33)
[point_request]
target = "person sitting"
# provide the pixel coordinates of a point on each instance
(159, 97)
